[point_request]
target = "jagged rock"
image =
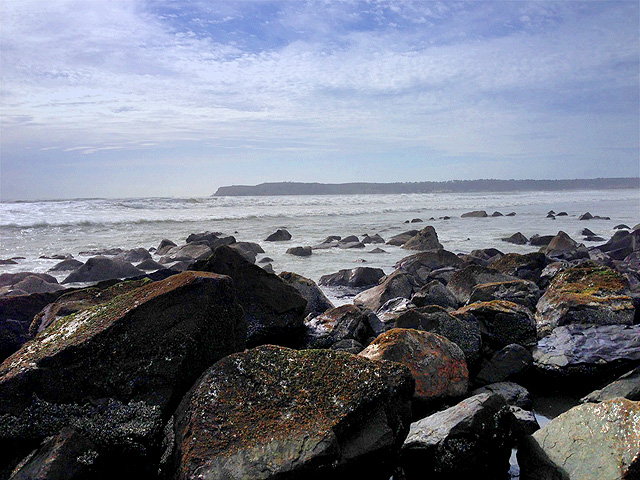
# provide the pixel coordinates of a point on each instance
(268, 268)
(595, 441)
(348, 345)
(164, 246)
(280, 235)
(503, 323)
(347, 245)
(437, 364)
(505, 364)
(517, 239)
(397, 284)
(317, 302)
(149, 264)
(273, 413)
(475, 214)
(435, 293)
(66, 265)
(522, 292)
(425, 239)
(274, 310)
(464, 281)
(526, 267)
(346, 322)
(420, 265)
(189, 252)
(469, 440)
(483, 256)
(134, 255)
(101, 268)
(627, 386)
(402, 238)
(356, 277)
(392, 309)
(587, 293)
(585, 216)
(524, 422)
(300, 251)
(378, 250)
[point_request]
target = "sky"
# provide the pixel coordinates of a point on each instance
(131, 98)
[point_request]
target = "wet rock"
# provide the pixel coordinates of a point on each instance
(517, 239)
(588, 294)
(541, 240)
(522, 292)
(9, 279)
(627, 386)
(149, 265)
(392, 309)
(8, 261)
(564, 247)
(497, 214)
(621, 226)
(506, 364)
(621, 244)
(135, 255)
(526, 267)
(420, 265)
(274, 413)
(475, 214)
(398, 284)
(265, 260)
(189, 252)
(267, 267)
(280, 235)
(248, 250)
(594, 238)
(511, 214)
(346, 322)
(66, 265)
(100, 268)
(469, 440)
(483, 256)
(589, 441)
(464, 281)
(513, 394)
(524, 422)
(300, 251)
(425, 239)
(164, 246)
(366, 239)
(349, 346)
(437, 364)
(317, 302)
(402, 238)
(32, 284)
(378, 250)
(274, 310)
(348, 245)
(585, 216)
(435, 293)
(356, 277)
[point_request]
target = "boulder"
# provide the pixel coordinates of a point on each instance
(475, 214)
(348, 345)
(517, 239)
(541, 240)
(522, 292)
(513, 394)
(10, 279)
(397, 284)
(114, 371)
(425, 239)
(588, 294)
(420, 265)
(347, 245)
(564, 247)
(317, 302)
(437, 364)
(392, 309)
(204, 237)
(248, 250)
(469, 440)
(592, 441)
(503, 323)
(527, 267)
(585, 216)
(511, 214)
(620, 245)
(189, 252)
(627, 386)
(101, 268)
(135, 255)
(149, 264)
(464, 281)
(346, 322)
(402, 238)
(510, 362)
(300, 251)
(110, 252)
(621, 226)
(356, 277)
(497, 214)
(273, 309)
(66, 265)
(435, 293)
(164, 246)
(280, 235)
(366, 239)
(33, 284)
(482, 257)
(378, 250)
(275, 413)
(8, 261)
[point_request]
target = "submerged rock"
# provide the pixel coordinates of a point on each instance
(275, 413)
(517, 239)
(300, 251)
(66, 265)
(475, 214)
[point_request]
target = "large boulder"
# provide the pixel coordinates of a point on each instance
(31, 284)
(66, 265)
(522, 292)
(355, 277)
(317, 302)
(621, 244)
(276, 413)
(527, 267)
(517, 239)
(592, 441)
(512, 361)
(135, 255)
(164, 246)
(300, 251)
(402, 238)
(588, 294)
(274, 309)
(564, 247)
(101, 268)
(346, 322)
(469, 440)
(627, 386)
(438, 365)
(248, 250)
(397, 284)
(464, 281)
(425, 239)
(420, 265)
(114, 371)
(435, 293)
(189, 252)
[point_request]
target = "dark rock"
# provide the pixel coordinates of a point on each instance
(274, 310)
(268, 268)
(445, 218)
(437, 364)
(378, 250)
(300, 251)
(101, 268)
(280, 235)
(248, 250)
(517, 239)
(372, 239)
(587, 233)
(513, 394)
(483, 257)
(464, 281)
(9, 279)
(265, 260)
(588, 294)
(469, 440)
(551, 212)
(512, 214)
(149, 265)
(526, 267)
(541, 240)
(397, 284)
(425, 239)
(164, 246)
(349, 239)
(66, 265)
(525, 422)
(135, 255)
(562, 214)
(503, 323)
(332, 238)
(392, 309)
(282, 413)
(346, 322)
(594, 238)
(347, 245)
(621, 226)
(475, 214)
(402, 238)
(420, 265)
(348, 345)
(497, 214)
(8, 261)
(563, 246)
(31, 284)
(416, 220)
(109, 252)
(522, 292)
(585, 216)
(317, 302)
(356, 277)
(204, 237)
(189, 252)
(57, 256)
(627, 386)
(505, 365)
(551, 216)
(435, 293)
(620, 245)
(589, 441)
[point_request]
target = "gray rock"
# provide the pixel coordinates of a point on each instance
(378, 250)
(627, 386)
(513, 394)
(110, 252)
(420, 265)
(248, 250)
(464, 281)
(564, 247)
(66, 265)
(100, 268)
(135, 255)
(164, 246)
(346, 322)
(300, 251)
(348, 345)
(9, 279)
(402, 238)
(280, 235)
(149, 265)
(33, 284)
(525, 422)
(356, 277)
(497, 214)
(435, 293)
(189, 252)
(425, 239)
(621, 244)
(517, 239)
(540, 240)
(475, 214)
(317, 302)
(398, 284)
(366, 239)
(522, 292)
(505, 364)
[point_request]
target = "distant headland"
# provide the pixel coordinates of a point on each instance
(451, 186)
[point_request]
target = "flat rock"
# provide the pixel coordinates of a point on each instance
(475, 214)
(526, 267)
(522, 292)
(189, 252)
(300, 251)
(135, 255)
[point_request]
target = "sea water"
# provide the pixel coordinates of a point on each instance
(45, 228)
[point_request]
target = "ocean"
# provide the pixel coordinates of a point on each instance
(45, 228)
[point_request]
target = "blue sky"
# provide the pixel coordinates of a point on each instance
(154, 98)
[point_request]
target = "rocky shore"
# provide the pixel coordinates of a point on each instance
(196, 361)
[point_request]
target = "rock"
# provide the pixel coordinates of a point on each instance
(541, 240)
(621, 226)
(272, 413)
(620, 245)
(627, 386)
(512, 214)
(265, 260)
(505, 364)
(503, 323)
(349, 239)
(317, 302)
(33, 284)
(497, 214)
(551, 216)
(562, 214)
(101, 268)
(437, 364)
(594, 238)
(356, 277)
(586, 355)
(66, 265)
(524, 422)
(469, 440)
(392, 309)
(416, 220)
(366, 239)
(135, 255)
(346, 322)
(517, 239)
(588, 294)
(8, 261)
(595, 441)
(149, 265)
(57, 256)
(348, 345)
(526, 267)
(464, 281)
(563, 246)
(68, 455)
(402, 238)
(164, 246)
(109, 252)
(551, 212)
(280, 235)
(115, 370)
(273, 309)
(585, 216)
(347, 245)
(189, 252)
(397, 284)
(513, 394)
(475, 214)
(332, 238)
(268, 268)
(435, 293)
(300, 251)
(420, 265)
(378, 250)
(10, 279)
(522, 292)
(248, 250)
(483, 257)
